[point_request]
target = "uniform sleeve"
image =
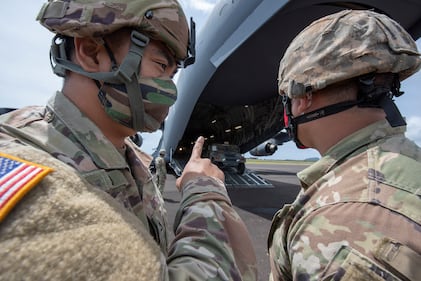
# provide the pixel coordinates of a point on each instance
(66, 229)
(211, 241)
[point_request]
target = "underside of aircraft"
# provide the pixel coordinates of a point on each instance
(230, 94)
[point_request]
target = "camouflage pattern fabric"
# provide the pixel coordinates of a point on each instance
(65, 229)
(365, 190)
(365, 42)
(162, 20)
(206, 206)
(210, 237)
(161, 173)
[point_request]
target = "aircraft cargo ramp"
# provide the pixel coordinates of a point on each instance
(232, 178)
(248, 179)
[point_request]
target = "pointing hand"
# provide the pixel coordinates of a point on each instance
(198, 166)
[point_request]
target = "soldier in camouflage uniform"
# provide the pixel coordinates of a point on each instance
(94, 212)
(161, 170)
(358, 215)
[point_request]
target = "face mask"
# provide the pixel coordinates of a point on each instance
(115, 100)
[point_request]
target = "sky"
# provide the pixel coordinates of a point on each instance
(26, 77)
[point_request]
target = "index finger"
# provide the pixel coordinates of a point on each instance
(197, 148)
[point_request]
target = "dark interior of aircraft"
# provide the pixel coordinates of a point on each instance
(225, 123)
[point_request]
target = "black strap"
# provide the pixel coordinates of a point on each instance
(325, 111)
(393, 115)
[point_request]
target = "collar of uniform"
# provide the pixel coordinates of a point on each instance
(144, 157)
(99, 148)
(346, 148)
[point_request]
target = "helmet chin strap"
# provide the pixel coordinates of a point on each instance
(325, 111)
(127, 73)
(151, 123)
(369, 96)
(292, 123)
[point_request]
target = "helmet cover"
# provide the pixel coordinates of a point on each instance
(345, 45)
(161, 20)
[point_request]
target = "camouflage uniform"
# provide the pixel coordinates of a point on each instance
(205, 213)
(358, 214)
(161, 173)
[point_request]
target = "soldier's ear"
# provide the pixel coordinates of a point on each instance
(88, 54)
(299, 106)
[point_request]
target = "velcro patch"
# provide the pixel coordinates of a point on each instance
(17, 177)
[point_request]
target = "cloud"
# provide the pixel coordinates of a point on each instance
(200, 5)
(414, 129)
(151, 141)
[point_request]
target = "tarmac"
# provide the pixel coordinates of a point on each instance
(255, 205)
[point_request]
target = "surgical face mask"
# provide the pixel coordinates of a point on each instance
(115, 100)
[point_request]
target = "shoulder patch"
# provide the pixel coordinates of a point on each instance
(17, 177)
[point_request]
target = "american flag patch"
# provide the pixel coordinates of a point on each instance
(17, 177)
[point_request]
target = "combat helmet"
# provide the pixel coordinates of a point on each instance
(345, 45)
(161, 20)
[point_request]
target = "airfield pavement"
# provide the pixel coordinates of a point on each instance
(255, 205)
